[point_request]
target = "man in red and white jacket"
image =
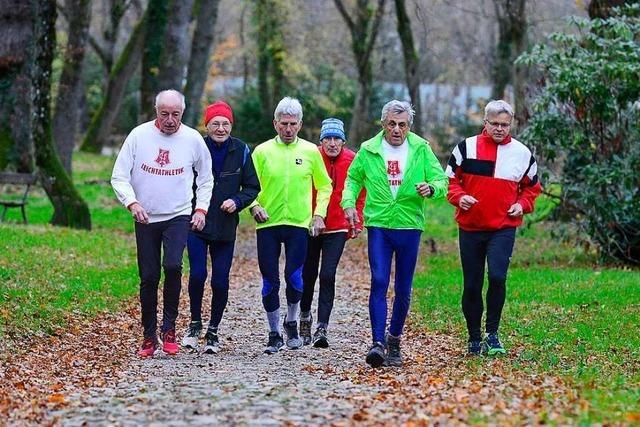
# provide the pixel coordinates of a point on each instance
(493, 182)
(332, 240)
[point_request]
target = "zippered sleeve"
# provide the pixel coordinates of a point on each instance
(354, 182)
(435, 175)
(322, 184)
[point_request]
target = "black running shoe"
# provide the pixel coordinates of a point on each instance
(293, 339)
(394, 356)
(305, 330)
(320, 338)
(492, 345)
(474, 348)
(375, 357)
(212, 344)
(275, 343)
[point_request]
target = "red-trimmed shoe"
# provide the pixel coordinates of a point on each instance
(169, 344)
(149, 347)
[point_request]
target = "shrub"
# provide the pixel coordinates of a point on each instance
(586, 115)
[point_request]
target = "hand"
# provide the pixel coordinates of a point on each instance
(317, 226)
(354, 233)
(138, 213)
(466, 202)
(259, 214)
(352, 216)
(424, 189)
(197, 221)
(228, 206)
(515, 210)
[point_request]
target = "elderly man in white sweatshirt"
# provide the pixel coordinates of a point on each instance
(153, 178)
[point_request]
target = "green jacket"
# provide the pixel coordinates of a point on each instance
(407, 210)
(286, 174)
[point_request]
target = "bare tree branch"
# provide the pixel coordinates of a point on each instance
(345, 15)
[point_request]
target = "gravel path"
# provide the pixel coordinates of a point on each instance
(241, 385)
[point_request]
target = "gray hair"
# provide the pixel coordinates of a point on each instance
(496, 107)
(164, 93)
(288, 107)
(398, 107)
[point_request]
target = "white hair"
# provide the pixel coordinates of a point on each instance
(288, 107)
(164, 93)
(397, 107)
(496, 107)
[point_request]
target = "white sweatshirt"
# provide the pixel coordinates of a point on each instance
(156, 170)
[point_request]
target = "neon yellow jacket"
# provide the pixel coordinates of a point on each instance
(407, 210)
(286, 174)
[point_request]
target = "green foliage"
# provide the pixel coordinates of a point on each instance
(564, 316)
(323, 93)
(587, 116)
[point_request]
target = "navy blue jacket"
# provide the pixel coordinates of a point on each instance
(237, 181)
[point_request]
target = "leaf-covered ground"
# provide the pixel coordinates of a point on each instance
(88, 373)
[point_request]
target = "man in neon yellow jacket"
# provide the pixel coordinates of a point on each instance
(399, 172)
(288, 168)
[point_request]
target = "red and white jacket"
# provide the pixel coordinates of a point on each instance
(337, 168)
(497, 175)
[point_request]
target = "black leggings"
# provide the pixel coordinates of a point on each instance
(169, 238)
(476, 248)
(331, 246)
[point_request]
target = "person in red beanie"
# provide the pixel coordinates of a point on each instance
(235, 187)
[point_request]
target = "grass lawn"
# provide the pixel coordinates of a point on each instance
(565, 314)
(48, 273)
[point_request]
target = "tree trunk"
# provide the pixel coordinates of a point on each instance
(16, 33)
(153, 45)
(272, 55)
(512, 41)
(245, 54)
(359, 122)
(128, 62)
(66, 114)
(174, 56)
(411, 62)
(262, 39)
(364, 30)
(69, 208)
(199, 62)
(104, 46)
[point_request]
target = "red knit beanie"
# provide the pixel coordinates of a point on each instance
(218, 108)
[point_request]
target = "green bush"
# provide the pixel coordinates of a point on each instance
(323, 92)
(586, 115)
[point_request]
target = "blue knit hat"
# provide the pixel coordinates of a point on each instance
(332, 127)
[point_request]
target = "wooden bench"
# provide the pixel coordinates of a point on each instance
(17, 184)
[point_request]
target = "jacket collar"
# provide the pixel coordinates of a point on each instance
(231, 141)
(279, 141)
(488, 138)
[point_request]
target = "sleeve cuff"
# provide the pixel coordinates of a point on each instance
(237, 202)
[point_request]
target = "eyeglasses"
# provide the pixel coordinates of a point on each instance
(392, 125)
(498, 124)
(223, 125)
